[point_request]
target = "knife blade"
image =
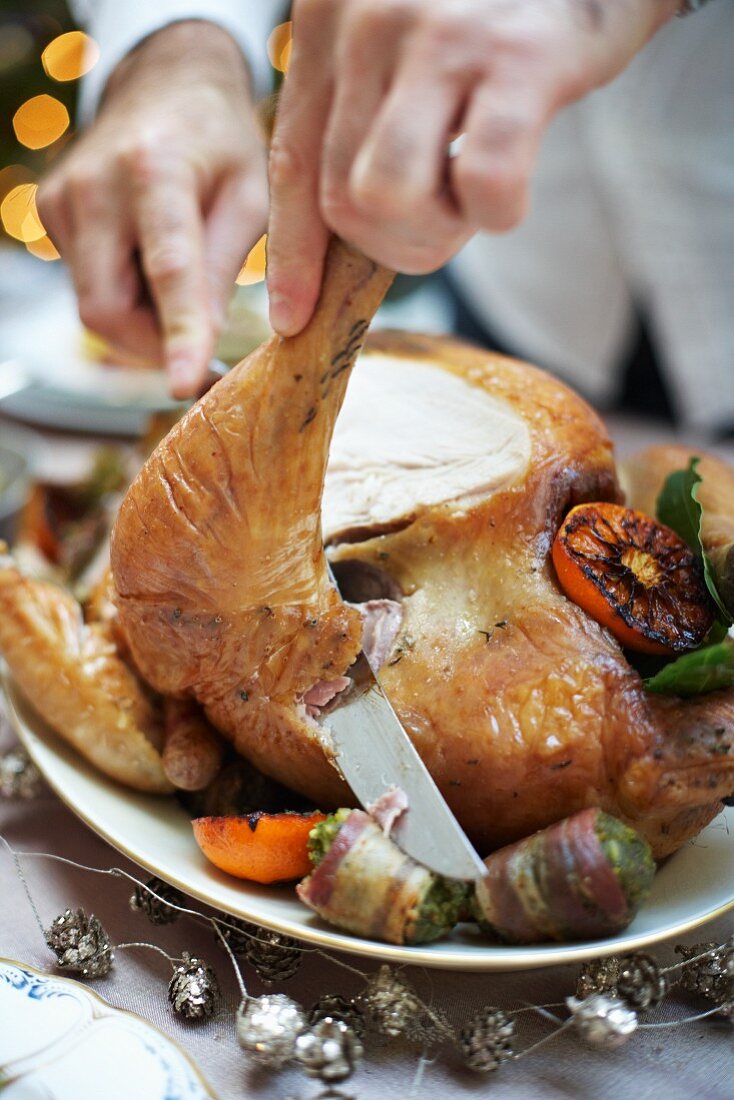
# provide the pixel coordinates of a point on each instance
(373, 752)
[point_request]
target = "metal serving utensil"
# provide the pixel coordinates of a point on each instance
(373, 752)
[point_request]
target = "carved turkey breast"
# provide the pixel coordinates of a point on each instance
(449, 474)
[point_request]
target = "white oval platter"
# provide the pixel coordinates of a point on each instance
(693, 886)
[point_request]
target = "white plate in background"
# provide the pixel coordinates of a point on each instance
(61, 1041)
(57, 386)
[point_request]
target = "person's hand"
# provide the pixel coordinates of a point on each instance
(156, 205)
(375, 91)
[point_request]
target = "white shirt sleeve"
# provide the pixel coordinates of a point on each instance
(118, 27)
(632, 209)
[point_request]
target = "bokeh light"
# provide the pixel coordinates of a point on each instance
(253, 269)
(12, 175)
(19, 215)
(39, 121)
(280, 44)
(70, 56)
(44, 248)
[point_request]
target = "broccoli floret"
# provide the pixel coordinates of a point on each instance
(630, 857)
(439, 910)
(322, 836)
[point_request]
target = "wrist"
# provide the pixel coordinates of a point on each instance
(189, 48)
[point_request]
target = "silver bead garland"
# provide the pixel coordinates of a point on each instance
(602, 1021)
(80, 944)
(328, 1049)
(267, 1028)
(193, 990)
(274, 1030)
(485, 1042)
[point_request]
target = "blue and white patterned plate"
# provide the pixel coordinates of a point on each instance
(59, 1040)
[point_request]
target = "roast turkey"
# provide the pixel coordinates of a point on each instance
(450, 471)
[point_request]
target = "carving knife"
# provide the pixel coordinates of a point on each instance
(373, 752)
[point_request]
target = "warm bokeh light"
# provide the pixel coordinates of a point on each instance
(13, 175)
(280, 44)
(70, 56)
(19, 215)
(253, 269)
(44, 248)
(39, 121)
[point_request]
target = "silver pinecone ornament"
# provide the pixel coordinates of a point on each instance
(711, 976)
(641, 983)
(329, 1050)
(275, 957)
(19, 776)
(80, 944)
(389, 1003)
(432, 1026)
(598, 976)
(339, 1008)
(267, 1028)
(193, 990)
(602, 1021)
(152, 899)
(236, 932)
(485, 1041)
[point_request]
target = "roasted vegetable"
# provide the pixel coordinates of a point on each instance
(583, 878)
(364, 883)
(635, 576)
(261, 847)
(192, 748)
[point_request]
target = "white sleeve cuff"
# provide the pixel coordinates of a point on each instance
(117, 28)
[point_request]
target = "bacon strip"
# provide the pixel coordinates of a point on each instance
(317, 889)
(365, 883)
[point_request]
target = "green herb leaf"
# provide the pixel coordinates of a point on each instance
(678, 507)
(707, 669)
(717, 633)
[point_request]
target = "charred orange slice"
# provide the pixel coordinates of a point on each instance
(634, 576)
(260, 847)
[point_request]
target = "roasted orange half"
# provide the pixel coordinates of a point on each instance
(261, 847)
(635, 576)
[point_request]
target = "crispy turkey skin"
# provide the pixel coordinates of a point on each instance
(524, 709)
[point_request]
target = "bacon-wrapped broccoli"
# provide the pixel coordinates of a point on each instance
(364, 883)
(583, 878)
